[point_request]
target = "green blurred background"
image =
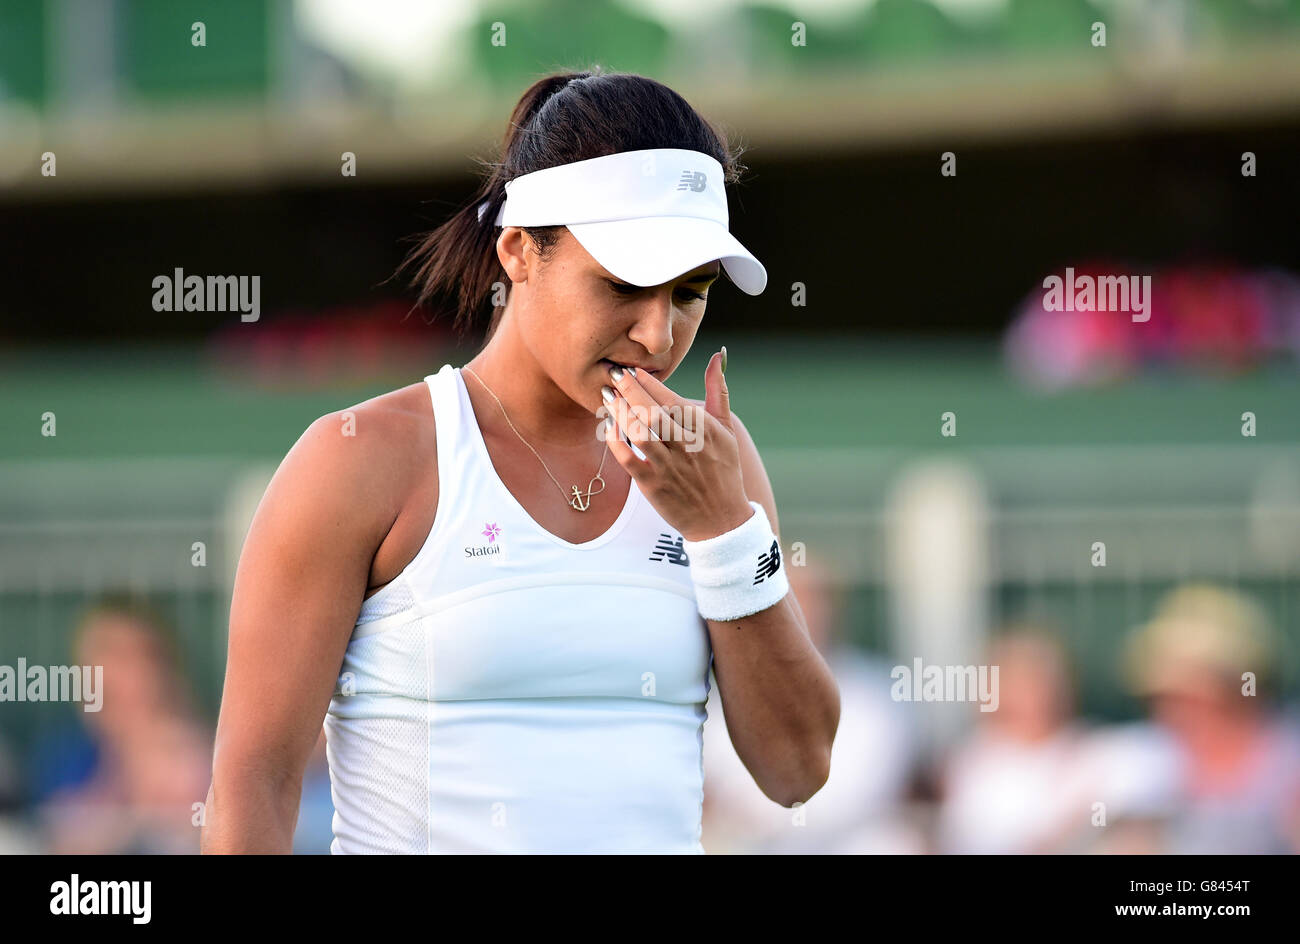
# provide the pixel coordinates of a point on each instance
(894, 296)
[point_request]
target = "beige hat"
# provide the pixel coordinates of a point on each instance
(1200, 630)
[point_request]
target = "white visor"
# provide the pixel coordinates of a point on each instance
(647, 216)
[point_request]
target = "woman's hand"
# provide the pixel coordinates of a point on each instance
(691, 471)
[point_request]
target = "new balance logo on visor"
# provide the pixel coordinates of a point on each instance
(693, 180)
(768, 563)
(670, 550)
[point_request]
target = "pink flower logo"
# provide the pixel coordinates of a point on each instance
(490, 531)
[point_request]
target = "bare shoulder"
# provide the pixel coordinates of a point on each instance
(380, 431)
(391, 422)
(368, 456)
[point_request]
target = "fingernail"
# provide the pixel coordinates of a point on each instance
(608, 394)
(632, 371)
(616, 373)
(724, 358)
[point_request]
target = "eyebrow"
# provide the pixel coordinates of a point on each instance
(705, 276)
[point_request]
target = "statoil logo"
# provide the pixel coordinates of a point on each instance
(494, 548)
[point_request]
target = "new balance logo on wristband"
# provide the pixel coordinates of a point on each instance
(720, 569)
(670, 550)
(768, 563)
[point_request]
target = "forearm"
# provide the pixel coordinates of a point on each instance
(249, 811)
(781, 702)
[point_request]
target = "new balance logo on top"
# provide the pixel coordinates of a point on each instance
(768, 563)
(670, 550)
(693, 180)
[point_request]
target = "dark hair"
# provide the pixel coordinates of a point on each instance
(562, 118)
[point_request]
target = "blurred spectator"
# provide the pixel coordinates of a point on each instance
(1023, 781)
(857, 810)
(1215, 317)
(151, 760)
(1035, 779)
(1235, 785)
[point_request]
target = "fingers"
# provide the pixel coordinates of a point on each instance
(684, 413)
(632, 424)
(622, 452)
(656, 389)
(716, 399)
(654, 417)
(653, 402)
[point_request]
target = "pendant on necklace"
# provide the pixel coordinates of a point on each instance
(577, 501)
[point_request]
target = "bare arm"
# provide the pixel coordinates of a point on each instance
(780, 700)
(301, 579)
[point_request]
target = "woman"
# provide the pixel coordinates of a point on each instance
(148, 754)
(501, 668)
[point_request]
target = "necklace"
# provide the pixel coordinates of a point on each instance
(580, 501)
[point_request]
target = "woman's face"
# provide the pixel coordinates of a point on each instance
(576, 317)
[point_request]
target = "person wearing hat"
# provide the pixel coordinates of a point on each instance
(1206, 662)
(501, 668)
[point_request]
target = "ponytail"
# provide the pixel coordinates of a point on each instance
(458, 259)
(560, 119)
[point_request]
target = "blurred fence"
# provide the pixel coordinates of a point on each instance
(997, 530)
(166, 529)
(1166, 514)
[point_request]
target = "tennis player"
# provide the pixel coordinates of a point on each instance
(502, 589)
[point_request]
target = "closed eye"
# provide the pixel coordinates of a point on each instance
(624, 289)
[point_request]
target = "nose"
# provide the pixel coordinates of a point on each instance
(653, 328)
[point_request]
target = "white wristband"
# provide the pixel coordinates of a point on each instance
(740, 572)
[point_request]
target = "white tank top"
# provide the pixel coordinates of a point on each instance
(512, 692)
